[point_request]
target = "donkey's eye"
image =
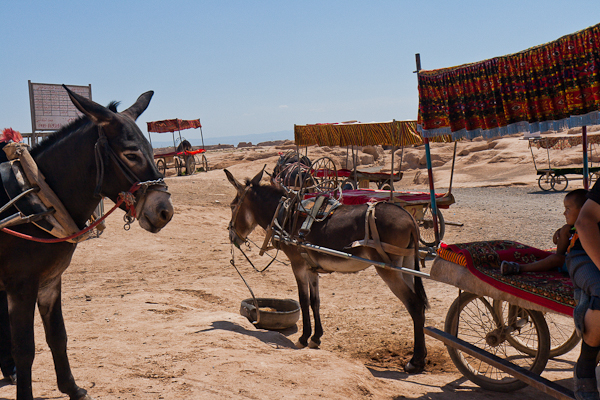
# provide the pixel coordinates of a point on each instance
(131, 157)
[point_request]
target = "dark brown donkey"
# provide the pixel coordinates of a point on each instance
(101, 154)
(255, 204)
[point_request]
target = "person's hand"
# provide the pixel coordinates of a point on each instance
(556, 236)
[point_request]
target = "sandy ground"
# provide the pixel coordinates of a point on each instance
(157, 316)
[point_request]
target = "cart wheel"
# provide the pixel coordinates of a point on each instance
(563, 336)
(385, 185)
(162, 167)
(178, 166)
(348, 184)
(204, 163)
(545, 182)
(472, 319)
(190, 165)
(324, 174)
(560, 183)
(426, 231)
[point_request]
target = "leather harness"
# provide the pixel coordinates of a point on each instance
(36, 202)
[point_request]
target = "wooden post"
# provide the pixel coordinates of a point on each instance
(436, 229)
(586, 172)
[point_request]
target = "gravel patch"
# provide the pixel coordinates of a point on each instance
(521, 213)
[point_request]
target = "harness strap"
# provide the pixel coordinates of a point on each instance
(370, 223)
(382, 248)
(269, 231)
(311, 217)
(103, 151)
(61, 219)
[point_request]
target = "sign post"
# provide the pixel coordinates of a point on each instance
(51, 107)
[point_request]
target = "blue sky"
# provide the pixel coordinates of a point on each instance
(251, 67)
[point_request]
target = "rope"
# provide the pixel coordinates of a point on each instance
(232, 262)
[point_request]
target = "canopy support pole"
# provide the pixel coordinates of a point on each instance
(430, 173)
(452, 171)
(586, 172)
(548, 151)
(532, 156)
(354, 161)
(201, 135)
(394, 131)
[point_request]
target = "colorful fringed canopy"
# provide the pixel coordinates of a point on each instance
(172, 125)
(399, 133)
(547, 87)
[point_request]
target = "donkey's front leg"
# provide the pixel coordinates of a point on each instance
(302, 279)
(21, 305)
(315, 304)
(49, 304)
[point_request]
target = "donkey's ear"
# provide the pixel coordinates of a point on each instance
(99, 115)
(256, 180)
(238, 186)
(140, 105)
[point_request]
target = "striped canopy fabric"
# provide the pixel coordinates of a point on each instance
(172, 125)
(398, 133)
(549, 87)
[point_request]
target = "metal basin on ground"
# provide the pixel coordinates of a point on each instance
(275, 314)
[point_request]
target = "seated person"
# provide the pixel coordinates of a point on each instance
(564, 238)
(583, 263)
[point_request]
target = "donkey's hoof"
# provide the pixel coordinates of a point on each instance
(410, 368)
(299, 345)
(81, 394)
(313, 345)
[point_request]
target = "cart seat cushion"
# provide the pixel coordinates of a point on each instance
(364, 196)
(550, 289)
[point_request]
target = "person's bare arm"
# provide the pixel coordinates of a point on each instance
(588, 231)
(556, 236)
(562, 243)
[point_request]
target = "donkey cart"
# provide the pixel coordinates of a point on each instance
(501, 330)
(497, 330)
(425, 207)
(183, 155)
(553, 178)
(500, 315)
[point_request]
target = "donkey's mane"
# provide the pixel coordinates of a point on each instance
(266, 192)
(73, 126)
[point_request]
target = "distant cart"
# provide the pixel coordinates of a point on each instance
(556, 178)
(183, 155)
(361, 179)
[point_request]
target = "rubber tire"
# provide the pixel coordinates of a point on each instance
(507, 383)
(162, 166)
(384, 185)
(559, 347)
(348, 184)
(546, 184)
(178, 166)
(428, 239)
(560, 183)
(190, 165)
(204, 163)
(560, 343)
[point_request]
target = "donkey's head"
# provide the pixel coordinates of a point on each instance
(124, 157)
(243, 219)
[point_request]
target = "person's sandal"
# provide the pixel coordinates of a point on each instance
(509, 268)
(585, 388)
